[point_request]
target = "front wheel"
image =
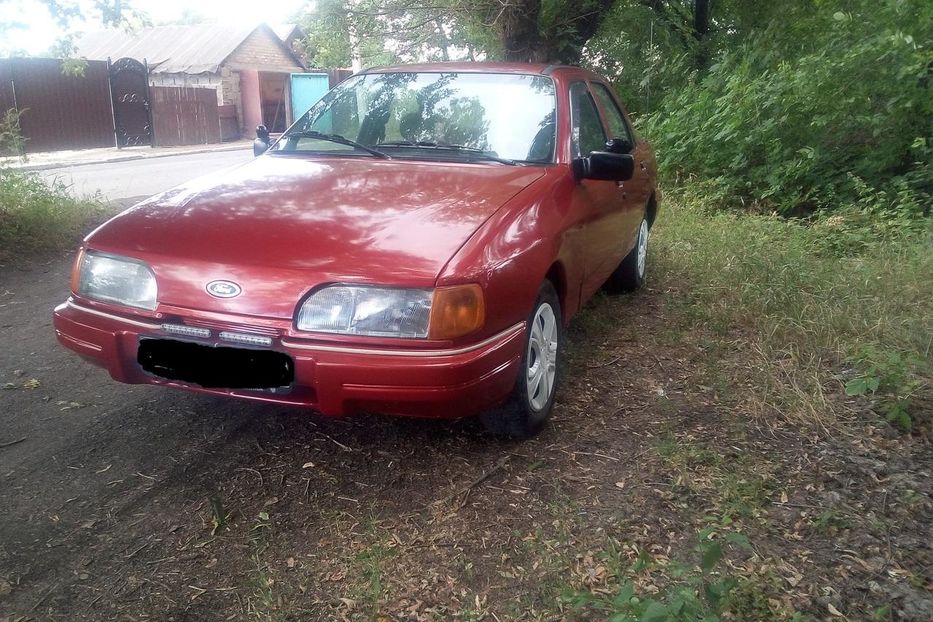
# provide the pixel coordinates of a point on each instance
(532, 398)
(630, 275)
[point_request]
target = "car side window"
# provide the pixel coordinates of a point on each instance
(587, 130)
(618, 128)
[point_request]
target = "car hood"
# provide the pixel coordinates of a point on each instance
(281, 225)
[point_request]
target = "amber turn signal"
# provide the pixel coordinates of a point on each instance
(76, 271)
(456, 311)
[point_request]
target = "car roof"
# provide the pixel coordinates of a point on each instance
(479, 67)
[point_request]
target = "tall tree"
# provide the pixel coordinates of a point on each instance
(516, 30)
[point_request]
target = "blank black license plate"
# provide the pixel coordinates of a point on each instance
(216, 367)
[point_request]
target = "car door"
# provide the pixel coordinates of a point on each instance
(603, 202)
(637, 190)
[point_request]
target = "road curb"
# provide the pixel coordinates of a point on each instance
(127, 158)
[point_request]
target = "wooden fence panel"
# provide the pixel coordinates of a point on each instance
(336, 76)
(58, 111)
(184, 116)
(229, 124)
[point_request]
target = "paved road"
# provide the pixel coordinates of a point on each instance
(135, 178)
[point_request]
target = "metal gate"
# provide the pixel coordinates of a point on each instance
(129, 91)
(307, 89)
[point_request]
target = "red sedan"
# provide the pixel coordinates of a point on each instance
(413, 245)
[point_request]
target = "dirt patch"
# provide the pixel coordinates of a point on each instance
(143, 503)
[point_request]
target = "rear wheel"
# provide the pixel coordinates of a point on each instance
(630, 275)
(532, 398)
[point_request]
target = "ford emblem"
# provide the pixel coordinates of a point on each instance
(223, 289)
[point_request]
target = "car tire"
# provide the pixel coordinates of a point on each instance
(630, 275)
(527, 409)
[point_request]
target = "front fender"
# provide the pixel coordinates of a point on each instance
(512, 252)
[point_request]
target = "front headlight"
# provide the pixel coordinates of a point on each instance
(443, 313)
(120, 280)
(374, 311)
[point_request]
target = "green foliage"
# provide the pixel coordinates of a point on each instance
(702, 591)
(825, 111)
(893, 376)
(384, 31)
(39, 216)
(11, 138)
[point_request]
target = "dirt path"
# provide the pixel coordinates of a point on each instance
(142, 503)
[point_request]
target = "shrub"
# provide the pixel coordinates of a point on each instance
(11, 138)
(35, 215)
(810, 115)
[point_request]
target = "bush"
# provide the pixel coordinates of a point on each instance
(35, 215)
(812, 115)
(12, 142)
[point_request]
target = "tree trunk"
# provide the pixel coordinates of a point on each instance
(518, 30)
(701, 18)
(700, 30)
(523, 40)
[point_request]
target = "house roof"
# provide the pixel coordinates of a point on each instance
(198, 48)
(286, 32)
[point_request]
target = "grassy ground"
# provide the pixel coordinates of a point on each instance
(704, 462)
(36, 217)
(804, 315)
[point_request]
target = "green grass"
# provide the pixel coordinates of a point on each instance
(369, 568)
(35, 216)
(804, 312)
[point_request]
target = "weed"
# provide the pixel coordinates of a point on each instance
(261, 604)
(893, 375)
(219, 517)
(700, 589)
(39, 216)
(369, 566)
(831, 521)
(12, 141)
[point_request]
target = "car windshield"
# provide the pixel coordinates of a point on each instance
(506, 118)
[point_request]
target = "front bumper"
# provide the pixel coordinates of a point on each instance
(334, 378)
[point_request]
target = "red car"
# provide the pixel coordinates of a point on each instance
(413, 245)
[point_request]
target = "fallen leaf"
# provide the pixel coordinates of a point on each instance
(833, 610)
(290, 562)
(783, 496)
(620, 485)
(307, 465)
(32, 383)
(200, 590)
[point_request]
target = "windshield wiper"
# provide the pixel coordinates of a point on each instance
(340, 140)
(476, 154)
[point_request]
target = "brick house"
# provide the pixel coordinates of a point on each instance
(248, 67)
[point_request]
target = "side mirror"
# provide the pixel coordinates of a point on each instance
(619, 145)
(605, 166)
(261, 144)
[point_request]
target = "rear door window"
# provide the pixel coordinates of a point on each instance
(618, 128)
(588, 134)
